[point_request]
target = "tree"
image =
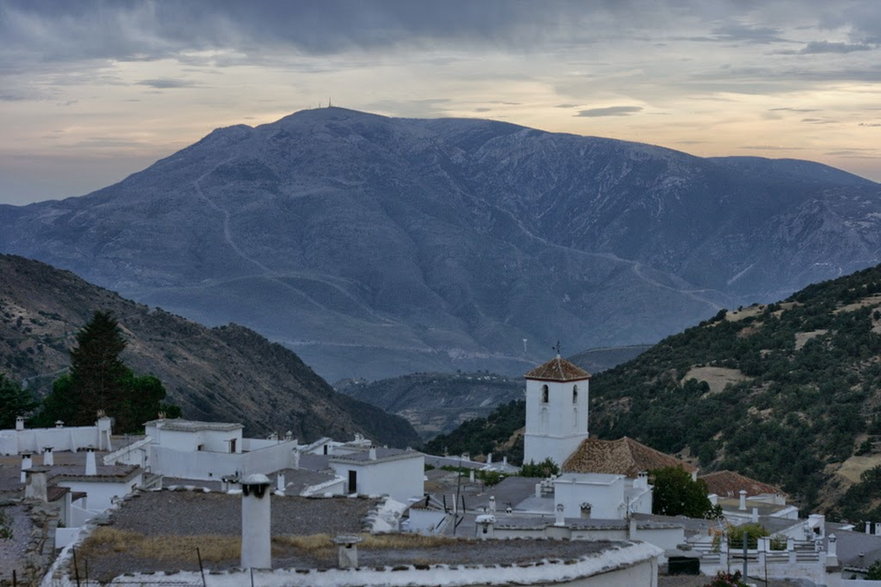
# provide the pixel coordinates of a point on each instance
(874, 572)
(677, 494)
(99, 380)
(14, 402)
(96, 371)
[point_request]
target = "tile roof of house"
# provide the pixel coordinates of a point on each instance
(729, 484)
(558, 369)
(624, 456)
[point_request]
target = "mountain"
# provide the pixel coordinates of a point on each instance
(227, 373)
(378, 246)
(436, 403)
(787, 393)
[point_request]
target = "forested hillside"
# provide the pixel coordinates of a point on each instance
(788, 393)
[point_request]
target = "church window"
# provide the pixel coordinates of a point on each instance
(544, 394)
(574, 394)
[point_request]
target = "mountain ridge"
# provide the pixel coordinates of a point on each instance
(226, 373)
(377, 246)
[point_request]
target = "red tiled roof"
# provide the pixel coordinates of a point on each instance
(558, 369)
(729, 484)
(624, 456)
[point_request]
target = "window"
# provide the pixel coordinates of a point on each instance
(574, 394)
(544, 394)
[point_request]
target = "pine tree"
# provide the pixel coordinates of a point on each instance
(96, 371)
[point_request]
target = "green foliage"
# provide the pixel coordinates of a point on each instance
(874, 572)
(14, 402)
(482, 436)
(5, 528)
(99, 380)
(488, 478)
(544, 469)
(753, 533)
(676, 494)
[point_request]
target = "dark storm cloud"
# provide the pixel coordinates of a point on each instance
(610, 111)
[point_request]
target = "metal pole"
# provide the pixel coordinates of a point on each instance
(201, 568)
(745, 546)
(76, 569)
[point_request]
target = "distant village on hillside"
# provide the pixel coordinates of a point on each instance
(196, 503)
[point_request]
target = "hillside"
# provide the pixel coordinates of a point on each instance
(788, 393)
(351, 238)
(436, 403)
(228, 373)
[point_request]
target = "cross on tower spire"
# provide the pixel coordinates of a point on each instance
(557, 348)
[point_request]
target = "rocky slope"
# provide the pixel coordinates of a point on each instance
(228, 373)
(376, 246)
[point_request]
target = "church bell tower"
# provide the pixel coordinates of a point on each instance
(556, 411)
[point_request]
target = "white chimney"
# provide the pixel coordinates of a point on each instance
(868, 524)
(559, 519)
(505, 461)
(19, 422)
(256, 521)
(26, 463)
(471, 475)
(288, 435)
(754, 518)
(48, 456)
(91, 466)
(489, 458)
(485, 526)
(371, 453)
(832, 551)
(742, 506)
(877, 528)
(295, 458)
(279, 483)
(492, 504)
(59, 423)
(348, 551)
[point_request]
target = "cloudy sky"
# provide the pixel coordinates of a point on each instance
(91, 91)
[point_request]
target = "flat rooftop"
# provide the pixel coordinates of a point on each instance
(160, 531)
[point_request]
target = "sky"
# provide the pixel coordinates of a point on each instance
(92, 91)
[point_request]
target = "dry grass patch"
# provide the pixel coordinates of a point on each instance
(322, 544)
(107, 540)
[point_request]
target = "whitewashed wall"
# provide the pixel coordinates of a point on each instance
(401, 479)
(605, 493)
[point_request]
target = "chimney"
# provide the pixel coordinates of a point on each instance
(280, 484)
(586, 509)
(295, 458)
(371, 453)
(754, 517)
(26, 463)
(505, 461)
(489, 458)
(492, 504)
(36, 484)
(471, 475)
(642, 480)
(485, 526)
(742, 506)
(559, 518)
(868, 524)
(348, 551)
(19, 422)
(59, 423)
(256, 520)
(877, 528)
(832, 551)
(48, 456)
(288, 435)
(91, 466)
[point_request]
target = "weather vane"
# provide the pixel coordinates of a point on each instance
(557, 348)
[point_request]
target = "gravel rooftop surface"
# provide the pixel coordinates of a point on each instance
(12, 550)
(207, 515)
